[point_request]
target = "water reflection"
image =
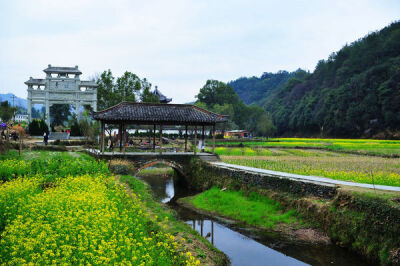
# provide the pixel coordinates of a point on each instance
(169, 190)
(241, 249)
(244, 246)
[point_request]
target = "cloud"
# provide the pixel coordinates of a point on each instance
(175, 44)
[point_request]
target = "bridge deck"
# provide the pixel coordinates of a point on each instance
(144, 154)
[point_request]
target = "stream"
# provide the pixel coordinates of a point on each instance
(247, 246)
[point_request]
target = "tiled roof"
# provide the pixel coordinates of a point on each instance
(88, 83)
(162, 97)
(153, 113)
(67, 70)
(32, 81)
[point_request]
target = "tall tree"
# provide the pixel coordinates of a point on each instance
(6, 111)
(217, 92)
(60, 114)
(221, 98)
(128, 87)
(106, 96)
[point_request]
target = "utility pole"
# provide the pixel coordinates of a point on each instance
(13, 105)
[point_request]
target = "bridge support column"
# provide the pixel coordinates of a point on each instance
(195, 140)
(186, 137)
(102, 137)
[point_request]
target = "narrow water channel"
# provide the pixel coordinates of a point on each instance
(245, 246)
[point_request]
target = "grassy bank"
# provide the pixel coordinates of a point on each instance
(252, 209)
(157, 171)
(363, 220)
(67, 208)
(199, 247)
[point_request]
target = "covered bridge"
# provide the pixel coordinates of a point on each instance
(160, 115)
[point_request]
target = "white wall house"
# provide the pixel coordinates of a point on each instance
(21, 118)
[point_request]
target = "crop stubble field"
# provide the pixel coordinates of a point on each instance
(57, 209)
(362, 161)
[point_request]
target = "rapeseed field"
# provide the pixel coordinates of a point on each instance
(54, 211)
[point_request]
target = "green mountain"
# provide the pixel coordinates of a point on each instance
(256, 90)
(354, 93)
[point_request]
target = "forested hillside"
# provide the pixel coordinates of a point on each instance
(355, 92)
(256, 90)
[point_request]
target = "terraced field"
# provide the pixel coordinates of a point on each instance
(317, 162)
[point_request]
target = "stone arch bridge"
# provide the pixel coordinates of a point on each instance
(180, 162)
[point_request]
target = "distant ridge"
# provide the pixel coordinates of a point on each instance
(353, 93)
(21, 102)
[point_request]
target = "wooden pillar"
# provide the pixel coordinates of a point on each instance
(186, 137)
(123, 137)
(160, 139)
(120, 137)
(202, 139)
(102, 137)
(195, 140)
(212, 232)
(154, 139)
(213, 139)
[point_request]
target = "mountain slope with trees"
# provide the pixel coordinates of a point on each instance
(221, 98)
(354, 93)
(255, 90)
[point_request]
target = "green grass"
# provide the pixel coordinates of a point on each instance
(157, 171)
(51, 165)
(252, 209)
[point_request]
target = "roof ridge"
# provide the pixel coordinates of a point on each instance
(174, 112)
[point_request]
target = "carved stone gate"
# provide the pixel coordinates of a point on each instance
(62, 85)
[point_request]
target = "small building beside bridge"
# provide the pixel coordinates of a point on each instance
(237, 134)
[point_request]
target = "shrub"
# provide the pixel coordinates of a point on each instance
(121, 167)
(38, 127)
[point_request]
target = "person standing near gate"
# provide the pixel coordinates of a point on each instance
(45, 138)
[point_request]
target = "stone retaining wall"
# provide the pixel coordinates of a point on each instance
(202, 175)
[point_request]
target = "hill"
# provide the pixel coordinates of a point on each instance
(256, 90)
(354, 93)
(17, 101)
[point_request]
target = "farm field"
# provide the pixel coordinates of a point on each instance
(63, 208)
(387, 148)
(335, 165)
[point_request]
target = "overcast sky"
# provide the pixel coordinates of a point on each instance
(175, 44)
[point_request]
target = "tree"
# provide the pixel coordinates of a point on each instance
(105, 91)
(149, 97)
(60, 113)
(220, 98)
(6, 111)
(265, 126)
(217, 92)
(75, 126)
(37, 127)
(128, 87)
